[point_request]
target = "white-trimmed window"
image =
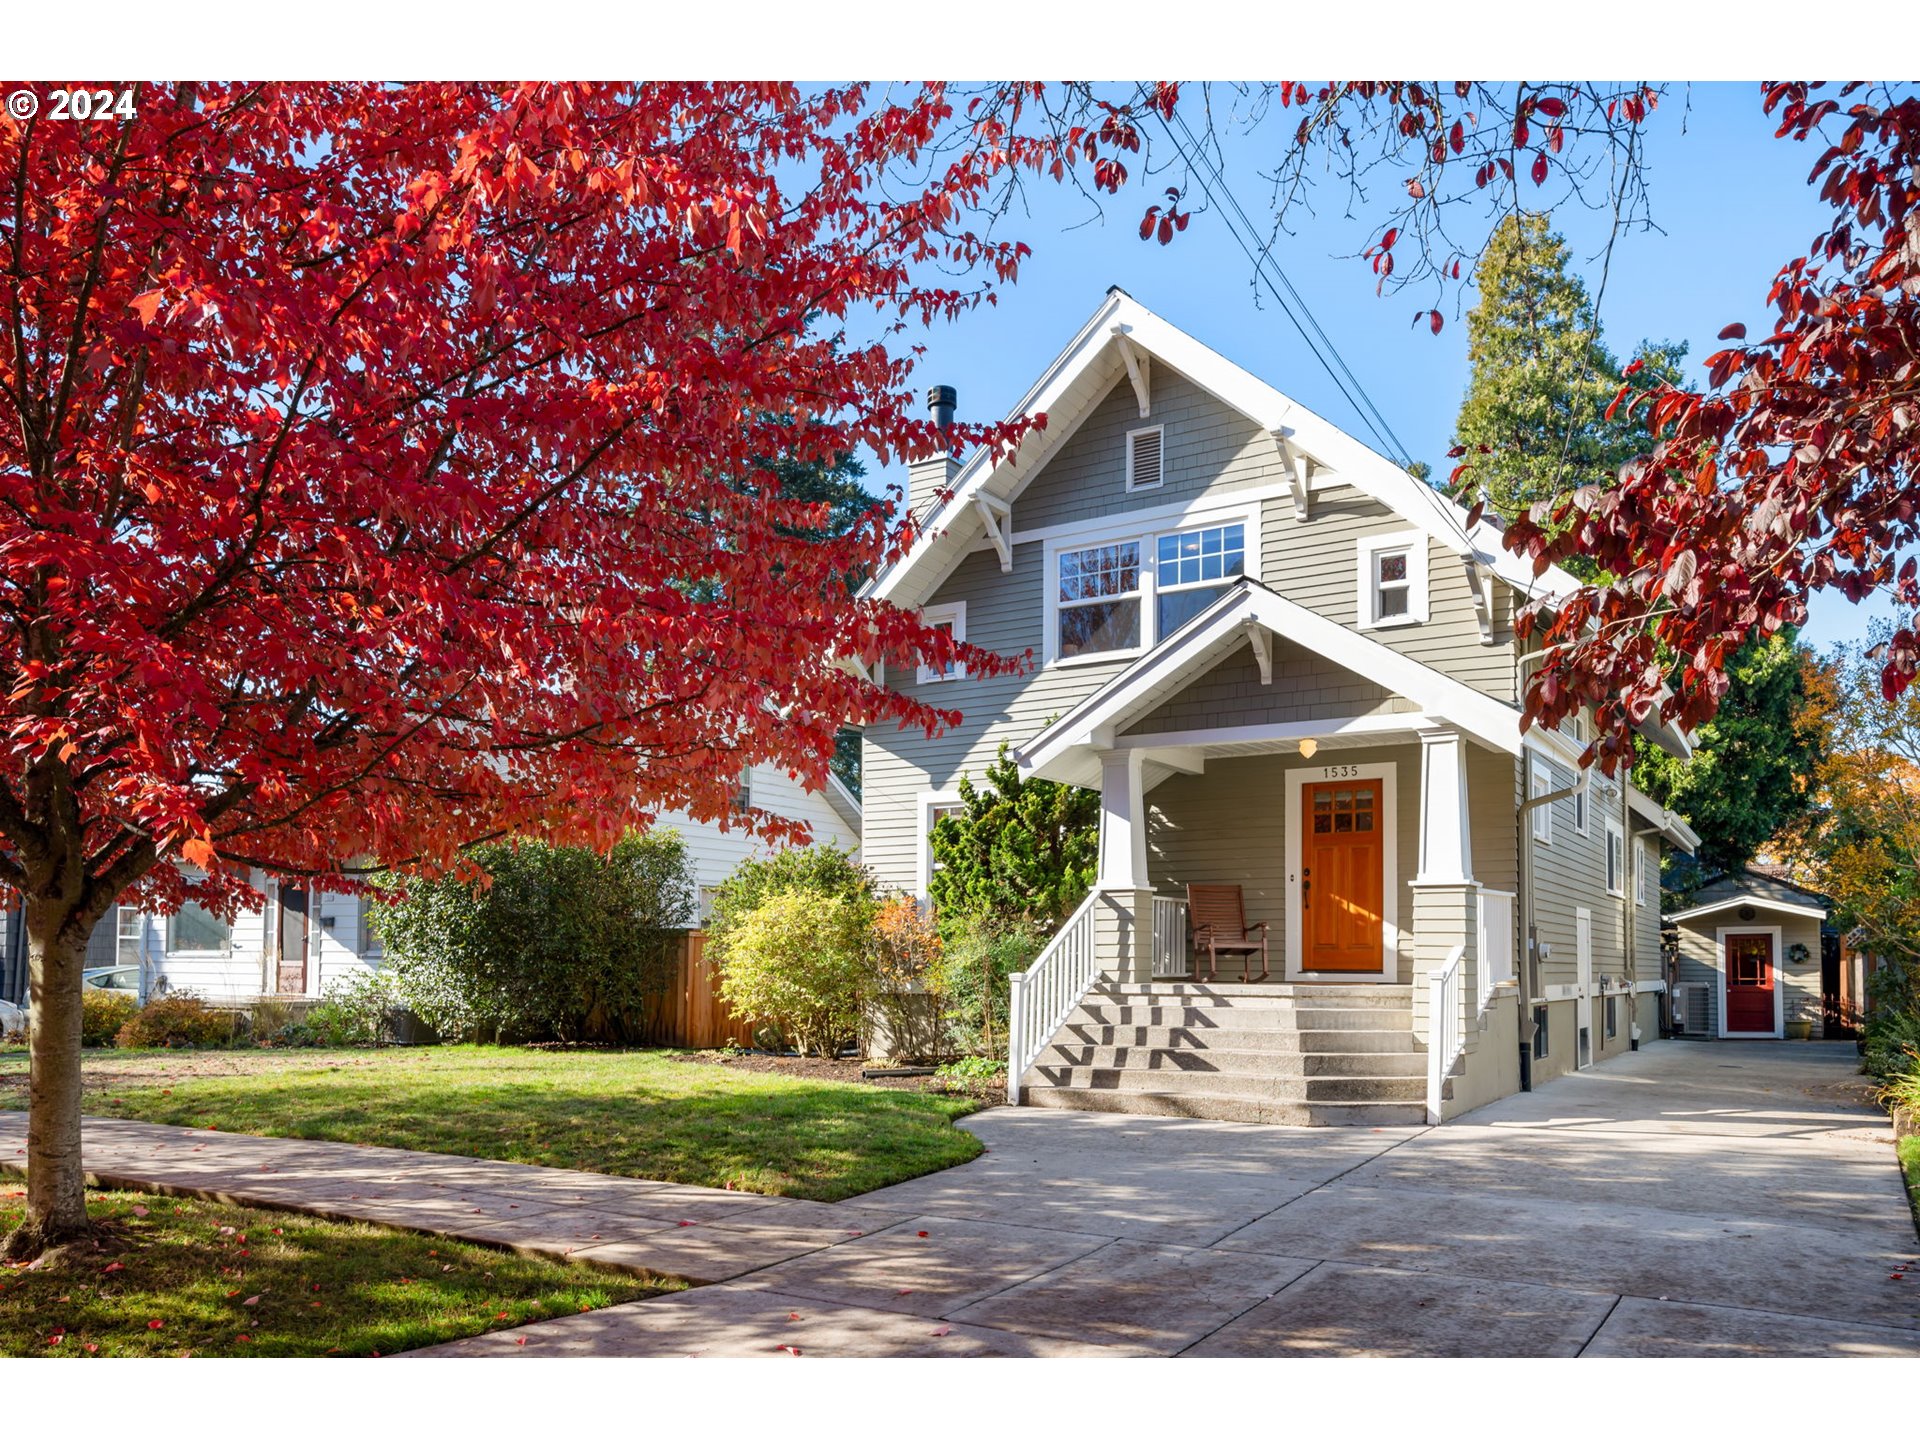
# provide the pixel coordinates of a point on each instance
(196, 930)
(951, 618)
(1645, 860)
(934, 804)
(743, 792)
(1191, 568)
(1540, 782)
(1616, 860)
(1393, 580)
(1146, 458)
(1580, 807)
(1098, 598)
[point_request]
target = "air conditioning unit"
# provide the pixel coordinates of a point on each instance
(1690, 1012)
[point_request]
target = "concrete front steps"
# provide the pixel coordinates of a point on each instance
(1271, 1054)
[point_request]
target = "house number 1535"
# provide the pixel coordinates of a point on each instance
(1340, 772)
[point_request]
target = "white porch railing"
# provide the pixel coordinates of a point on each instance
(1446, 1034)
(1494, 956)
(1044, 995)
(1171, 953)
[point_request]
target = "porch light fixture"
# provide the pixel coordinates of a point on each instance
(1307, 747)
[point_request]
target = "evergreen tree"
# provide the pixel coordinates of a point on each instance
(1018, 851)
(1534, 421)
(1752, 770)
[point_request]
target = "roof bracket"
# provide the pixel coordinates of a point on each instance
(1261, 639)
(1480, 587)
(997, 515)
(1137, 372)
(1299, 472)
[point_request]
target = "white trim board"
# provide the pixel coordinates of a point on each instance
(1779, 981)
(1778, 907)
(1388, 773)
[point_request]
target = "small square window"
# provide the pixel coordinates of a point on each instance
(951, 621)
(1393, 580)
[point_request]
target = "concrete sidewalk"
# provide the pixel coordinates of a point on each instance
(1705, 1199)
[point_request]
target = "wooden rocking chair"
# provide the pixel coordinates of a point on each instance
(1219, 919)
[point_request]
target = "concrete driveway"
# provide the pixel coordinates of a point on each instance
(1691, 1199)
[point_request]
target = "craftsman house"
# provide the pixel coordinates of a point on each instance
(1289, 669)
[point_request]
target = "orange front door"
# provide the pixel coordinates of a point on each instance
(1340, 882)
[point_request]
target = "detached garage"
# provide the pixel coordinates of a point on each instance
(1750, 960)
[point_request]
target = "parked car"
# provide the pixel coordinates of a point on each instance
(113, 977)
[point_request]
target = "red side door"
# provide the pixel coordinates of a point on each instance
(1750, 982)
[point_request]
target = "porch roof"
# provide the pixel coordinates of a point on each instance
(1250, 613)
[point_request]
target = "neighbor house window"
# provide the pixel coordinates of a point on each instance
(372, 909)
(1393, 580)
(1099, 599)
(196, 929)
(743, 792)
(1191, 570)
(1540, 782)
(949, 620)
(1616, 860)
(1144, 459)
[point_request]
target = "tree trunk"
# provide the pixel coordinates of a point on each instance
(56, 1184)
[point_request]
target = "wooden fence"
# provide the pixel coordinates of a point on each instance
(690, 1012)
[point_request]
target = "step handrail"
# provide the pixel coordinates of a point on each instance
(1041, 998)
(1446, 1035)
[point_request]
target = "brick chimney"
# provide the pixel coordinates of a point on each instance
(927, 478)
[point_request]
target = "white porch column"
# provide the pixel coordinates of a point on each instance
(1123, 821)
(1445, 894)
(1446, 844)
(1123, 920)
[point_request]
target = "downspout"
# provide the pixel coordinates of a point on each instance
(1529, 802)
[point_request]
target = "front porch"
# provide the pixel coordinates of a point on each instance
(1337, 800)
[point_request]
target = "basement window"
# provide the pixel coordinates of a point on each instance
(1539, 1032)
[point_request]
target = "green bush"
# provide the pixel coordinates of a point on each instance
(558, 941)
(800, 961)
(177, 1020)
(981, 951)
(355, 1011)
(822, 870)
(102, 1013)
(1891, 1039)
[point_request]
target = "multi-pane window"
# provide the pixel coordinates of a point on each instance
(1191, 570)
(951, 621)
(1392, 585)
(935, 813)
(196, 928)
(1616, 860)
(1099, 599)
(1343, 812)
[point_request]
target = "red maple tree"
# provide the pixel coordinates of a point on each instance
(389, 468)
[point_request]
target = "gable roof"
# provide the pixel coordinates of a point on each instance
(844, 802)
(1223, 627)
(1082, 374)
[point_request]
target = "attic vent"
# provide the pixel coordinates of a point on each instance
(1143, 459)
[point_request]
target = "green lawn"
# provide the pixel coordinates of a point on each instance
(177, 1276)
(618, 1112)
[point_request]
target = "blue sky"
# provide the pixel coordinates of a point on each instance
(1731, 202)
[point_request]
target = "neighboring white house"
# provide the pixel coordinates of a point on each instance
(324, 937)
(1290, 669)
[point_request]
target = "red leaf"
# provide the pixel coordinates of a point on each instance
(1735, 331)
(1540, 169)
(156, 1324)
(1550, 107)
(1386, 240)
(1436, 322)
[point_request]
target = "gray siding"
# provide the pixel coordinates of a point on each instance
(1700, 956)
(1305, 686)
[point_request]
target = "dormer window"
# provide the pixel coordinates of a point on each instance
(1144, 457)
(1392, 580)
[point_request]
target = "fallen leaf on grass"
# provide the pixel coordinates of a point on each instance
(251, 1300)
(140, 1210)
(156, 1324)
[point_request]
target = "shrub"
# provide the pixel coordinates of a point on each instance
(355, 1011)
(799, 961)
(1022, 850)
(980, 952)
(908, 984)
(815, 869)
(555, 941)
(179, 1019)
(102, 1013)
(269, 1018)
(1890, 1041)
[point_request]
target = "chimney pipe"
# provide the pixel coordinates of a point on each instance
(942, 400)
